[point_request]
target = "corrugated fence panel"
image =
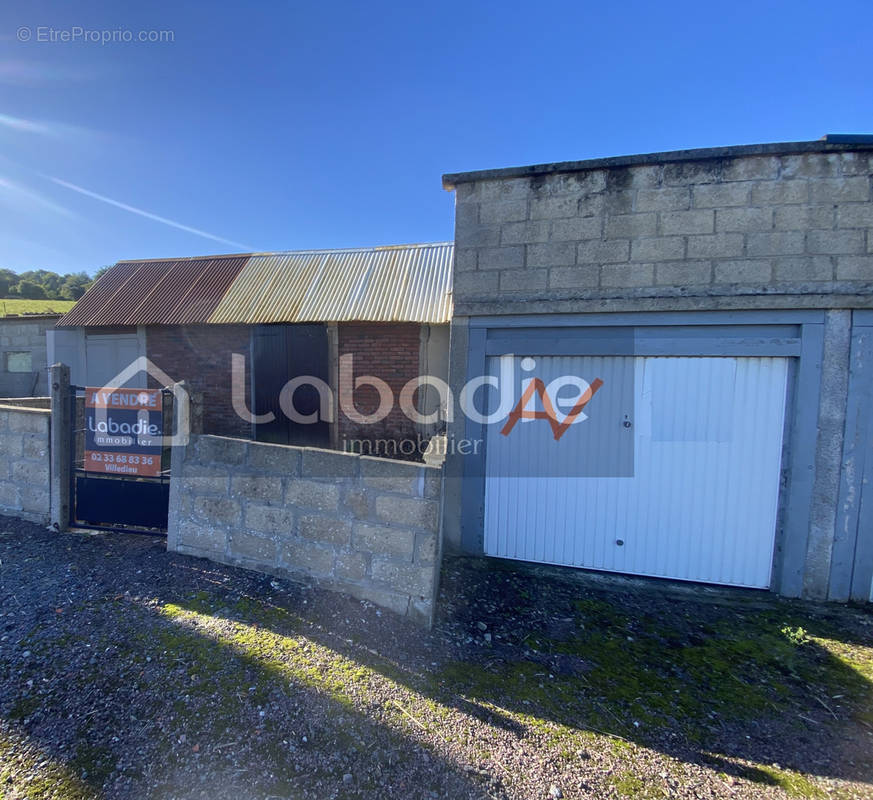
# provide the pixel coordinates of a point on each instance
(700, 502)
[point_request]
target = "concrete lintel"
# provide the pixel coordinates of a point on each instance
(852, 297)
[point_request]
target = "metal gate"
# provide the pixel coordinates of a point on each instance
(134, 503)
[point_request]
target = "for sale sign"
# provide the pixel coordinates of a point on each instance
(123, 430)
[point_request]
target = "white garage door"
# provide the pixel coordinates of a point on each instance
(700, 499)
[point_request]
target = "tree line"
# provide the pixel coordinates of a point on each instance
(43, 284)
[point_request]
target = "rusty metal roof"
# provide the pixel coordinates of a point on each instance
(162, 292)
(406, 283)
(382, 284)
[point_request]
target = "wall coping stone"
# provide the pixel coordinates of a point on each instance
(26, 409)
(832, 144)
(701, 298)
(369, 465)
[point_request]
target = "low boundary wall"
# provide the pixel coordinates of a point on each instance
(365, 526)
(24, 462)
(27, 402)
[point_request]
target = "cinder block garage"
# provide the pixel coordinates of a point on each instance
(717, 303)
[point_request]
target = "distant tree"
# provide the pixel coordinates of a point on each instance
(75, 285)
(50, 281)
(30, 290)
(7, 280)
(54, 286)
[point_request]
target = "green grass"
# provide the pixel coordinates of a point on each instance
(30, 774)
(277, 658)
(679, 674)
(257, 654)
(629, 785)
(18, 306)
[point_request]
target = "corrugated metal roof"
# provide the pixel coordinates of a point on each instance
(163, 292)
(410, 283)
(406, 283)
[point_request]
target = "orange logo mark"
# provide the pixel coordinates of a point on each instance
(558, 428)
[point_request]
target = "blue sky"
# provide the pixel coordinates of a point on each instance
(281, 126)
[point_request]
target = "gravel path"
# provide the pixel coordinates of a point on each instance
(128, 672)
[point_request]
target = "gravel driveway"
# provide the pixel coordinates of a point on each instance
(128, 672)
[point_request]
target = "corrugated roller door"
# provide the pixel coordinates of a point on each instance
(700, 500)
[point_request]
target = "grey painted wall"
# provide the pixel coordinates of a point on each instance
(852, 551)
(433, 360)
(750, 232)
(829, 452)
(24, 335)
(95, 358)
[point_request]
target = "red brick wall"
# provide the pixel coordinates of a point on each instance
(201, 356)
(389, 351)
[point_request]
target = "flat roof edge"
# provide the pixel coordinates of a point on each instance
(40, 315)
(833, 143)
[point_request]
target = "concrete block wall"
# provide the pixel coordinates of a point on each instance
(19, 335)
(728, 228)
(772, 228)
(24, 462)
(364, 526)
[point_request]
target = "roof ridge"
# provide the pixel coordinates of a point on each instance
(316, 251)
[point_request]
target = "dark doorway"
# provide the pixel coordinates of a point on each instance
(281, 353)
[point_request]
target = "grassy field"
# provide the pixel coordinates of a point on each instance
(18, 306)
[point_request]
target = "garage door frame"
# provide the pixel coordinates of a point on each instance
(851, 574)
(798, 335)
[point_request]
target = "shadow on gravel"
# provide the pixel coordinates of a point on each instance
(127, 672)
(130, 668)
(732, 678)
